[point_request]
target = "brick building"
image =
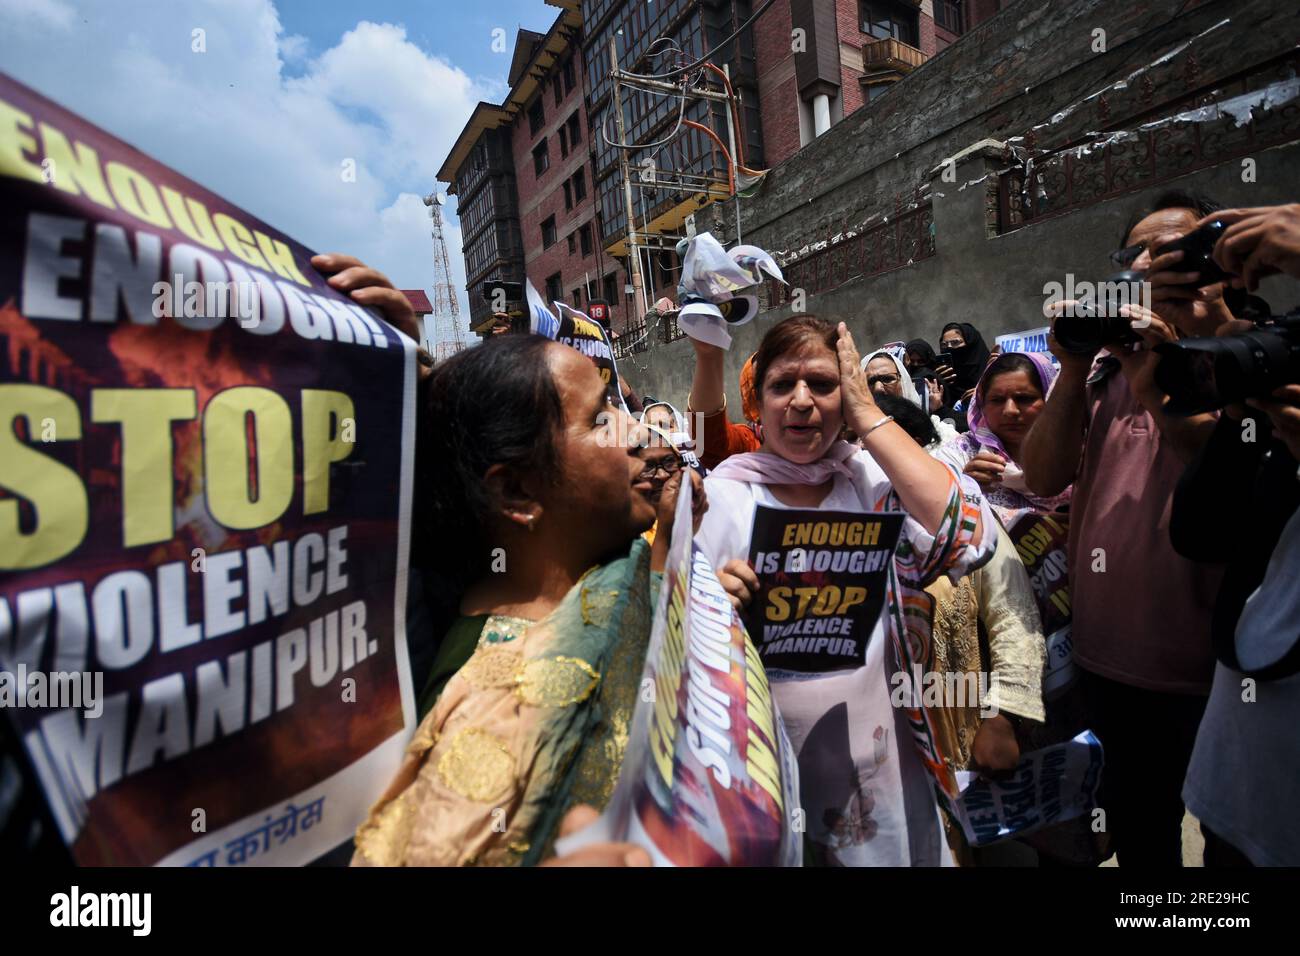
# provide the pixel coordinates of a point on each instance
(551, 146)
(1013, 159)
(653, 39)
(539, 183)
(820, 60)
(540, 190)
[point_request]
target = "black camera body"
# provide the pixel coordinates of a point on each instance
(1202, 375)
(1198, 254)
(1091, 329)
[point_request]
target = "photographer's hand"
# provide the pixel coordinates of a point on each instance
(1177, 298)
(1283, 409)
(1078, 365)
(1187, 435)
(1259, 242)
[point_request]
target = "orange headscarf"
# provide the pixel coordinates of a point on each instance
(748, 397)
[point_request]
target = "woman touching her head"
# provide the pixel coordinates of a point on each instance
(864, 787)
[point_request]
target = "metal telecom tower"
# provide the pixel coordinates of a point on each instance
(445, 337)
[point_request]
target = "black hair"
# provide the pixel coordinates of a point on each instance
(912, 420)
(1010, 362)
(493, 404)
(1201, 204)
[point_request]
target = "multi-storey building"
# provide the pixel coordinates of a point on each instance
(481, 171)
(539, 179)
(819, 60)
(539, 217)
(653, 39)
(551, 145)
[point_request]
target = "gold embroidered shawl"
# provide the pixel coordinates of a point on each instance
(526, 729)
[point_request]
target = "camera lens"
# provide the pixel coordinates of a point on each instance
(1201, 375)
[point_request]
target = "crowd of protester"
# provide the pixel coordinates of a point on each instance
(1181, 536)
(1183, 553)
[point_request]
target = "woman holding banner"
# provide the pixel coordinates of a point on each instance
(528, 511)
(840, 624)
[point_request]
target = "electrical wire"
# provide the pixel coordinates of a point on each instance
(681, 115)
(706, 57)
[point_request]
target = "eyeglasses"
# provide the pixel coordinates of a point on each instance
(889, 381)
(1128, 255)
(669, 466)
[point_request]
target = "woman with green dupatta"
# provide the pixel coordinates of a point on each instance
(529, 495)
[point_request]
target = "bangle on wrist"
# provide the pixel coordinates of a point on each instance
(884, 421)
(692, 410)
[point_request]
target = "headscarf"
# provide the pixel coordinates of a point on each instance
(895, 352)
(970, 360)
(892, 352)
(1011, 497)
(922, 346)
(679, 439)
(748, 395)
(765, 468)
(679, 423)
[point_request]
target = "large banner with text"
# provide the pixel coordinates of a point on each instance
(205, 468)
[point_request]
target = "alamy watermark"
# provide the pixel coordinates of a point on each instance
(57, 690)
(237, 300)
(944, 689)
(1087, 299)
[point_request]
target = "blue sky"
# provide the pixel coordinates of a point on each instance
(283, 94)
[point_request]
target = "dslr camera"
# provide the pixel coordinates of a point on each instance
(1086, 332)
(1201, 375)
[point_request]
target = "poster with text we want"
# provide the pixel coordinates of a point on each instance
(205, 468)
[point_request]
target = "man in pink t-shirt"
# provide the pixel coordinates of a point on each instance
(1141, 612)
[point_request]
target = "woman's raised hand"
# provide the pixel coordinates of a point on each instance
(860, 409)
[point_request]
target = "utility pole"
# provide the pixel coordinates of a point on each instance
(633, 257)
(731, 145)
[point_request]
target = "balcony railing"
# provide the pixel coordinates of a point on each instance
(891, 54)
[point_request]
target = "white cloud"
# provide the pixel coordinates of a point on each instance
(54, 13)
(293, 47)
(232, 119)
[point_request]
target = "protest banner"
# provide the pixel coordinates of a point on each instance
(577, 331)
(1033, 340)
(709, 777)
(1040, 540)
(205, 481)
(823, 577)
(1047, 786)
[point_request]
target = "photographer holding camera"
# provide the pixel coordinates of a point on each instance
(1141, 611)
(1239, 505)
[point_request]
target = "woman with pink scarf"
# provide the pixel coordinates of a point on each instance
(869, 765)
(1007, 400)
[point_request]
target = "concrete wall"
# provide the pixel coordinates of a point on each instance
(1017, 71)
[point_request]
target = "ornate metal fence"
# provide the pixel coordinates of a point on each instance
(891, 244)
(1180, 136)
